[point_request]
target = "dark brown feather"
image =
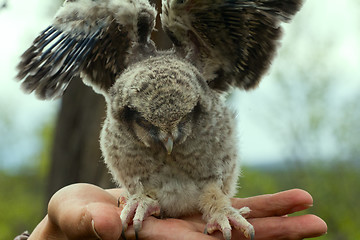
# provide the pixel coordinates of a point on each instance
(89, 37)
(53, 60)
(232, 41)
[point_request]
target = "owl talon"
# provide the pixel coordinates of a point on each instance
(136, 234)
(136, 209)
(123, 234)
(227, 233)
(137, 227)
(224, 222)
(252, 235)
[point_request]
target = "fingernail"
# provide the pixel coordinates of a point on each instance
(94, 230)
(301, 208)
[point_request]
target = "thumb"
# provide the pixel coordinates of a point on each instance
(85, 211)
(105, 221)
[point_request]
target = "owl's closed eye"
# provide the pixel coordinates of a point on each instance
(156, 136)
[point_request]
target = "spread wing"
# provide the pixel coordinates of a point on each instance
(91, 38)
(231, 41)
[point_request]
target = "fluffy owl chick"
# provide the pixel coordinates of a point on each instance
(176, 138)
(168, 138)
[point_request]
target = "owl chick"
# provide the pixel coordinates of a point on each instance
(168, 137)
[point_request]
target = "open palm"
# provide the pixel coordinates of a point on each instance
(84, 211)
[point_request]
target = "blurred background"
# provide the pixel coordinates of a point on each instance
(299, 129)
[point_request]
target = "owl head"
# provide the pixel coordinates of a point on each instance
(160, 99)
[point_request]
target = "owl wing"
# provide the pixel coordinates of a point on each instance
(231, 41)
(93, 37)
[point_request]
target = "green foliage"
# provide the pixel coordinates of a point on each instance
(22, 203)
(334, 187)
(255, 182)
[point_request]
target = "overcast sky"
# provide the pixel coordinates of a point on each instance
(319, 22)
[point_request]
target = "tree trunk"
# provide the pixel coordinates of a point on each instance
(76, 155)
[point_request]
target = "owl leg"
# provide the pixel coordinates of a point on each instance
(220, 215)
(136, 209)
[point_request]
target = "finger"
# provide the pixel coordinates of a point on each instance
(46, 230)
(84, 211)
(277, 204)
(292, 228)
(285, 228)
(116, 192)
(106, 221)
(170, 229)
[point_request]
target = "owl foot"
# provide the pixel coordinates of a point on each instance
(136, 209)
(224, 219)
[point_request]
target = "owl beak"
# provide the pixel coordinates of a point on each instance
(169, 144)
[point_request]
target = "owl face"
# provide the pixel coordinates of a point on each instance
(165, 136)
(160, 101)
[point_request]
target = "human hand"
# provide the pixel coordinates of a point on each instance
(84, 211)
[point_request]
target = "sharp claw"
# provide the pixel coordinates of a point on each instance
(252, 235)
(137, 227)
(123, 234)
(227, 233)
(136, 235)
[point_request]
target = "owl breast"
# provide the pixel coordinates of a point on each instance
(207, 153)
